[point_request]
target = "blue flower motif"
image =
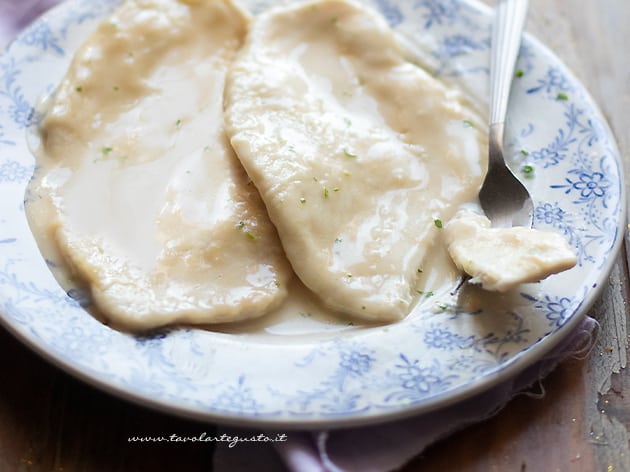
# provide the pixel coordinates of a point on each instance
(78, 340)
(42, 37)
(391, 12)
(439, 338)
(21, 111)
(418, 381)
(355, 363)
(556, 310)
(554, 81)
(13, 171)
(550, 155)
(594, 184)
(550, 214)
(74, 340)
(457, 45)
(591, 185)
(29, 291)
(438, 11)
(237, 398)
(555, 152)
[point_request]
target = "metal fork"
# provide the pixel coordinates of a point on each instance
(504, 199)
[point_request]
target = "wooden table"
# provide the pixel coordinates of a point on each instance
(52, 422)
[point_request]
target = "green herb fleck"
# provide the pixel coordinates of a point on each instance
(302, 200)
(442, 306)
(326, 192)
(520, 73)
(425, 294)
(348, 122)
(438, 223)
(106, 150)
(528, 170)
(420, 271)
(241, 226)
(78, 89)
(178, 123)
(116, 88)
(562, 96)
(524, 152)
(469, 124)
(349, 154)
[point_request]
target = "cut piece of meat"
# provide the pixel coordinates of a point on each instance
(149, 204)
(356, 152)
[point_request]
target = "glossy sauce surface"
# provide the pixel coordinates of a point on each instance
(137, 184)
(359, 157)
(358, 154)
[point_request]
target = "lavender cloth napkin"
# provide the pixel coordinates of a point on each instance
(16, 14)
(389, 446)
(377, 448)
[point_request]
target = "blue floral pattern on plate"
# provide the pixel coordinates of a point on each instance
(356, 375)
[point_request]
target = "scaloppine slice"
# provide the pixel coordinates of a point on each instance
(499, 259)
(358, 154)
(138, 184)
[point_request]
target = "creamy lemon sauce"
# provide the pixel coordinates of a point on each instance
(360, 158)
(358, 154)
(137, 184)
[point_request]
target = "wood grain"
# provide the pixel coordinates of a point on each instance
(51, 422)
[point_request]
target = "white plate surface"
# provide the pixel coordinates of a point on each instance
(337, 375)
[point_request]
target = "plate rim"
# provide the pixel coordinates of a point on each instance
(507, 370)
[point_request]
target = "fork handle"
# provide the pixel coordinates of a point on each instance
(506, 39)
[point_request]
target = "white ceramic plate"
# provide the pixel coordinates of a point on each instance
(336, 375)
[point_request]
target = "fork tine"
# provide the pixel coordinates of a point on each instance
(503, 197)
